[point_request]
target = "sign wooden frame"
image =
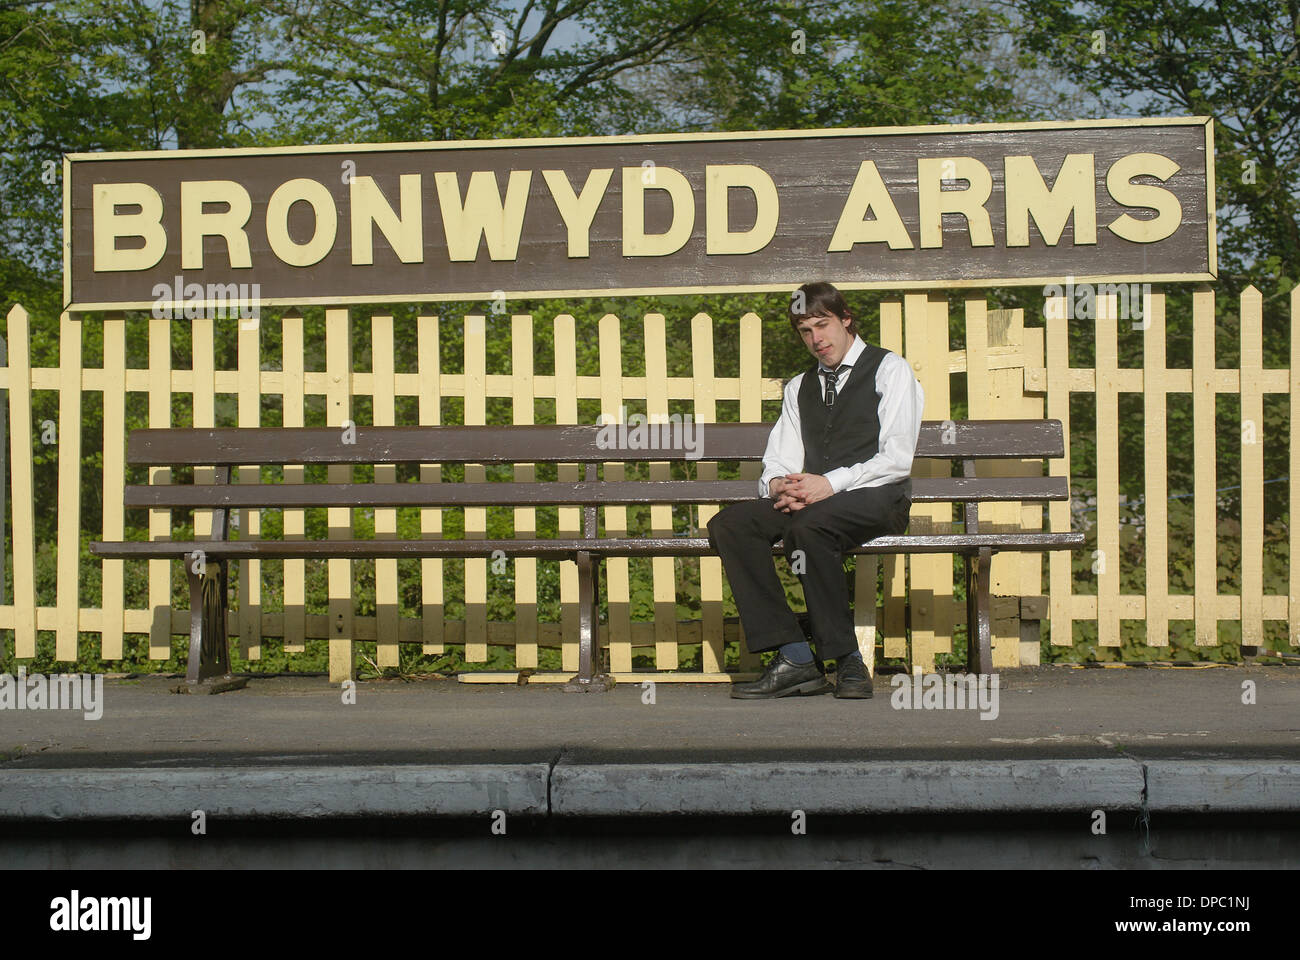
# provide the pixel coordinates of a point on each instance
(1193, 260)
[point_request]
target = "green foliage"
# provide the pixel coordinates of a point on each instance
(1237, 61)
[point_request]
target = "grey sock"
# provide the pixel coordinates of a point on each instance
(797, 652)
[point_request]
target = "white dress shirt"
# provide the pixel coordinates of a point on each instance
(901, 402)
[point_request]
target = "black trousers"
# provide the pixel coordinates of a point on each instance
(743, 535)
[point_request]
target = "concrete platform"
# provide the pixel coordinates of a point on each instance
(1080, 769)
(1062, 740)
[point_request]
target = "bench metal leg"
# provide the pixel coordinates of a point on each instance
(979, 642)
(591, 674)
(208, 670)
(972, 617)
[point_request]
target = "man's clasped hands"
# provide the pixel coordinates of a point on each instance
(795, 491)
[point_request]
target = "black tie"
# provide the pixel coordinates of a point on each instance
(831, 376)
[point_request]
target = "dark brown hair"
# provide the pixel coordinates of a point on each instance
(820, 298)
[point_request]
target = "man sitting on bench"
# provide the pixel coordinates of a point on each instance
(836, 473)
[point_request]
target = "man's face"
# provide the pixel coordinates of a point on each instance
(827, 337)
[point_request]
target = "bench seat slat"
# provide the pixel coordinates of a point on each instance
(543, 443)
(293, 495)
(552, 549)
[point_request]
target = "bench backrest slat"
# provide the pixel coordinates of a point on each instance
(1031, 439)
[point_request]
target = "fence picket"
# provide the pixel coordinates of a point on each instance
(432, 609)
(293, 408)
(114, 477)
(1204, 451)
(23, 483)
(705, 410)
(525, 526)
(338, 413)
(1060, 571)
(663, 575)
(751, 411)
(894, 621)
(160, 521)
(475, 394)
(1107, 400)
(1252, 468)
(383, 366)
(1033, 406)
(250, 521)
(618, 590)
(1155, 387)
(1293, 486)
(570, 518)
(68, 440)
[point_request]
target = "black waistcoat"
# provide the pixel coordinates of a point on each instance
(848, 432)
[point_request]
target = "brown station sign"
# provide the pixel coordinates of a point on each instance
(876, 208)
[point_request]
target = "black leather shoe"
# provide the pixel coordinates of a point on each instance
(782, 678)
(851, 680)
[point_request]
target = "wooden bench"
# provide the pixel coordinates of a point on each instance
(962, 442)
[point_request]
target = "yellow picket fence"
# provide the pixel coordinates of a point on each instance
(1012, 370)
